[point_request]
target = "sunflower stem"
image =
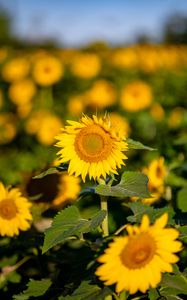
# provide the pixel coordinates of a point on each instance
(104, 224)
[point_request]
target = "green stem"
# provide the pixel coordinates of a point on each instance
(104, 224)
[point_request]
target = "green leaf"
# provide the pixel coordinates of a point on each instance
(35, 288)
(153, 294)
(68, 223)
(183, 233)
(87, 291)
(50, 171)
(140, 209)
(131, 184)
(173, 284)
(182, 199)
(137, 145)
(174, 180)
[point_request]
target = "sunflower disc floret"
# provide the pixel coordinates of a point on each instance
(91, 147)
(136, 261)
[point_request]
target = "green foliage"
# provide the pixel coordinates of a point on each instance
(182, 199)
(172, 285)
(87, 291)
(140, 209)
(131, 184)
(137, 145)
(35, 288)
(68, 223)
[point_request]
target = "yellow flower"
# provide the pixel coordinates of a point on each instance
(7, 128)
(45, 125)
(120, 124)
(23, 110)
(136, 261)
(16, 69)
(91, 147)
(55, 189)
(156, 173)
(157, 111)
(101, 95)
(175, 118)
(68, 189)
(14, 212)
(86, 65)
(136, 96)
(21, 92)
(75, 105)
(125, 58)
(1, 98)
(47, 70)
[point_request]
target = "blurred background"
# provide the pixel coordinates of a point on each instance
(78, 23)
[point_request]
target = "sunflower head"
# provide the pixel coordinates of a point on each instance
(136, 261)
(91, 147)
(14, 212)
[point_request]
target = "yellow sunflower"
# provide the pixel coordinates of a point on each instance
(91, 147)
(47, 70)
(137, 95)
(68, 189)
(136, 261)
(16, 69)
(14, 212)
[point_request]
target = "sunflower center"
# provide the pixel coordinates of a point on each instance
(8, 209)
(139, 251)
(93, 144)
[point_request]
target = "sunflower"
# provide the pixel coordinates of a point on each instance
(91, 147)
(21, 92)
(137, 95)
(68, 189)
(47, 70)
(136, 261)
(156, 172)
(16, 69)
(14, 212)
(86, 65)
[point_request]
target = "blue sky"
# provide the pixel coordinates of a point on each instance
(76, 22)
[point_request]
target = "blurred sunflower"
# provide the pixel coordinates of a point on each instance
(157, 112)
(16, 69)
(75, 105)
(47, 70)
(102, 94)
(120, 124)
(55, 189)
(1, 98)
(8, 128)
(14, 212)
(21, 92)
(91, 147)
(125, 58)
(86, 65)
(156, 172)
(136, 261)
(44, 125)
(136, 96)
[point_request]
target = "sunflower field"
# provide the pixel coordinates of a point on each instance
(93, 188)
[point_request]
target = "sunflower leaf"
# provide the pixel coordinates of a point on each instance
(35, 288)
(131, 184)
(140, 209)
(68, 223)
(50, 171)
(181, 199)
(87, 291)
(137, 145)
(173, 284)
